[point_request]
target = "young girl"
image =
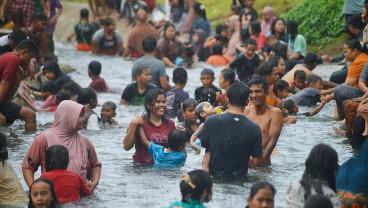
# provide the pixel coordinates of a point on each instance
(52, 71)
(226, 78)
(69, 186)
(59, 97)
(88, 98)
(42, 194)
(262, 195)
(195, 188)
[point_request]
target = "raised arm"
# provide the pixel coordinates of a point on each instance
(274, 133)
(129, 139)
(194, 137)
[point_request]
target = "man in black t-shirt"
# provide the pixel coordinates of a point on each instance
(232, 138)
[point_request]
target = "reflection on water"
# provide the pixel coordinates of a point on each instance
(126, 184)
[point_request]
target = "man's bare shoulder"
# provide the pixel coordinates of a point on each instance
(248, 109)
(275, 112)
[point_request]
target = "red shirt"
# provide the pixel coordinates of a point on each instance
(156, 134)
(99, 85)
(69, 186)
(9, 65)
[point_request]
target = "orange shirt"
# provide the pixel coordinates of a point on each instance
(357, 65)
(217, 60)
(270, 99)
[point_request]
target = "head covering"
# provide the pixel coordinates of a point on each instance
(266, 26)
(352, 176)
(198, 47)
(64, 133)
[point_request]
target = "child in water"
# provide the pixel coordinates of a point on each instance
(108, 113)
(69, 186)
(226, 78)
(42, 194)
(88, 98)
(280, 89)
(299, 82)
(196, 189)
(172, 156)
(207, 78)
(189, 125)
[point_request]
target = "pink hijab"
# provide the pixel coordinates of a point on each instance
(64, 133)
(269, 13)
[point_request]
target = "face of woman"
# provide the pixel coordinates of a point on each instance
(281, 66)
(222, 82)
(170, 33)
(364, 15)
(263, 199)
(280, 26)
(80, 121)
(159, 107)
(41, 195)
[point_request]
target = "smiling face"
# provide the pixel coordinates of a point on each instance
(80, 122)
(263, 199)
(257, 94)
(159, 107)
(41, 195)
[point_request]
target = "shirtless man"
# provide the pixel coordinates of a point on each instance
(267, 117)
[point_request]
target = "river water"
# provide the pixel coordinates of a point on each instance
(125, 184)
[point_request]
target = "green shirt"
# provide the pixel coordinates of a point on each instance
(38, 6)
(191, 204)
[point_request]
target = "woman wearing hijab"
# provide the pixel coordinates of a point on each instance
(234, 26)
(267, 17)
(198, 42)
(352, 179)
(83, 159)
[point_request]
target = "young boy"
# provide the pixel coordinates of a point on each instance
(298, 83)
(207, 78)
(94, 71)
(135, 93)
(280, 90)
(189, 125)
(311, 95)
(217, 58)
(108, 113)
(172, 156)
(176, 95)
(69, 186)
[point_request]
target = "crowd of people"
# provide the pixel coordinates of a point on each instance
(266, 74)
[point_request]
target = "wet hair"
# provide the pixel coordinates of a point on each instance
(280, 50)
(54, 202)
(261, 185)
(250, 42)
(219, 28)
(208, 95)
(84, 13)
(313, 79)
(318, 201)
(3, 150)
(40, 16)
(257, 80)
(56, 158)
(151, 99)
(280, 85)
(149, 44)
(228, 75)
(354, 44)
(111, 104)
(265, 68)
(72, 87)
(199, 110)
(60, 81)
(140, 70)
(62, 95)
(289, 105)
(235, 9)
(54, 68)
(200, 10)
(51, 58)
(276, 59)
(17, 36)
(300, 74)
(176, 140)
(28, 45)
(355, 21)
(312, 58)
(49, 86)
(180, 75)
(108, 21)
(86, 96)
(256, 28)
(217, 49)
(273, 24)
(238, 94)
(167, 26)
(320, 167)
(292, 29)
(95, 67)
(208, 71)
(201, 181)
(189, 103)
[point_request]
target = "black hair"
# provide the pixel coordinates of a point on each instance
(366, 7)
(149, 44)
(238, 94)
(110, 103)
(51, 57)
(318, 201)
(199, 110)
(189, 103)
(235, 9)
(257, 80)
(320, 167)
(49, 86)
(17, 36)
(261, 185)
(72, 87)
(176, 140)
(313, 79)
(200, 181)
(86, 96)
(250, 42)
(355, 21)
(292, 29)
(167, 26)
(40, 16)
(189, 51)
(280, 50)
(62, 95)
(228, 75)
(289, 105)
(270, 37)
(265, 68)
(276, 59)
(54, 68)
(84, 13)
(200, 10)
(60, 81)
(208, 95)
(140, 70)
(151, 99)
(273, 24)
(207, 71)
(300, 74)
(280, 85)
(312, 58)
(56, 158)
(219, 28)
(28, 45)
(217, 49)
(3, 150)
(95, 67)
(354, 44)
(256, 28)
(180, 75)
(108, 21)
(54, 202)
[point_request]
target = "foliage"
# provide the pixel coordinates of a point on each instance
(320, 21)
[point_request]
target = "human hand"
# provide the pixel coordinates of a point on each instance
(53, 20)
(359, 99)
